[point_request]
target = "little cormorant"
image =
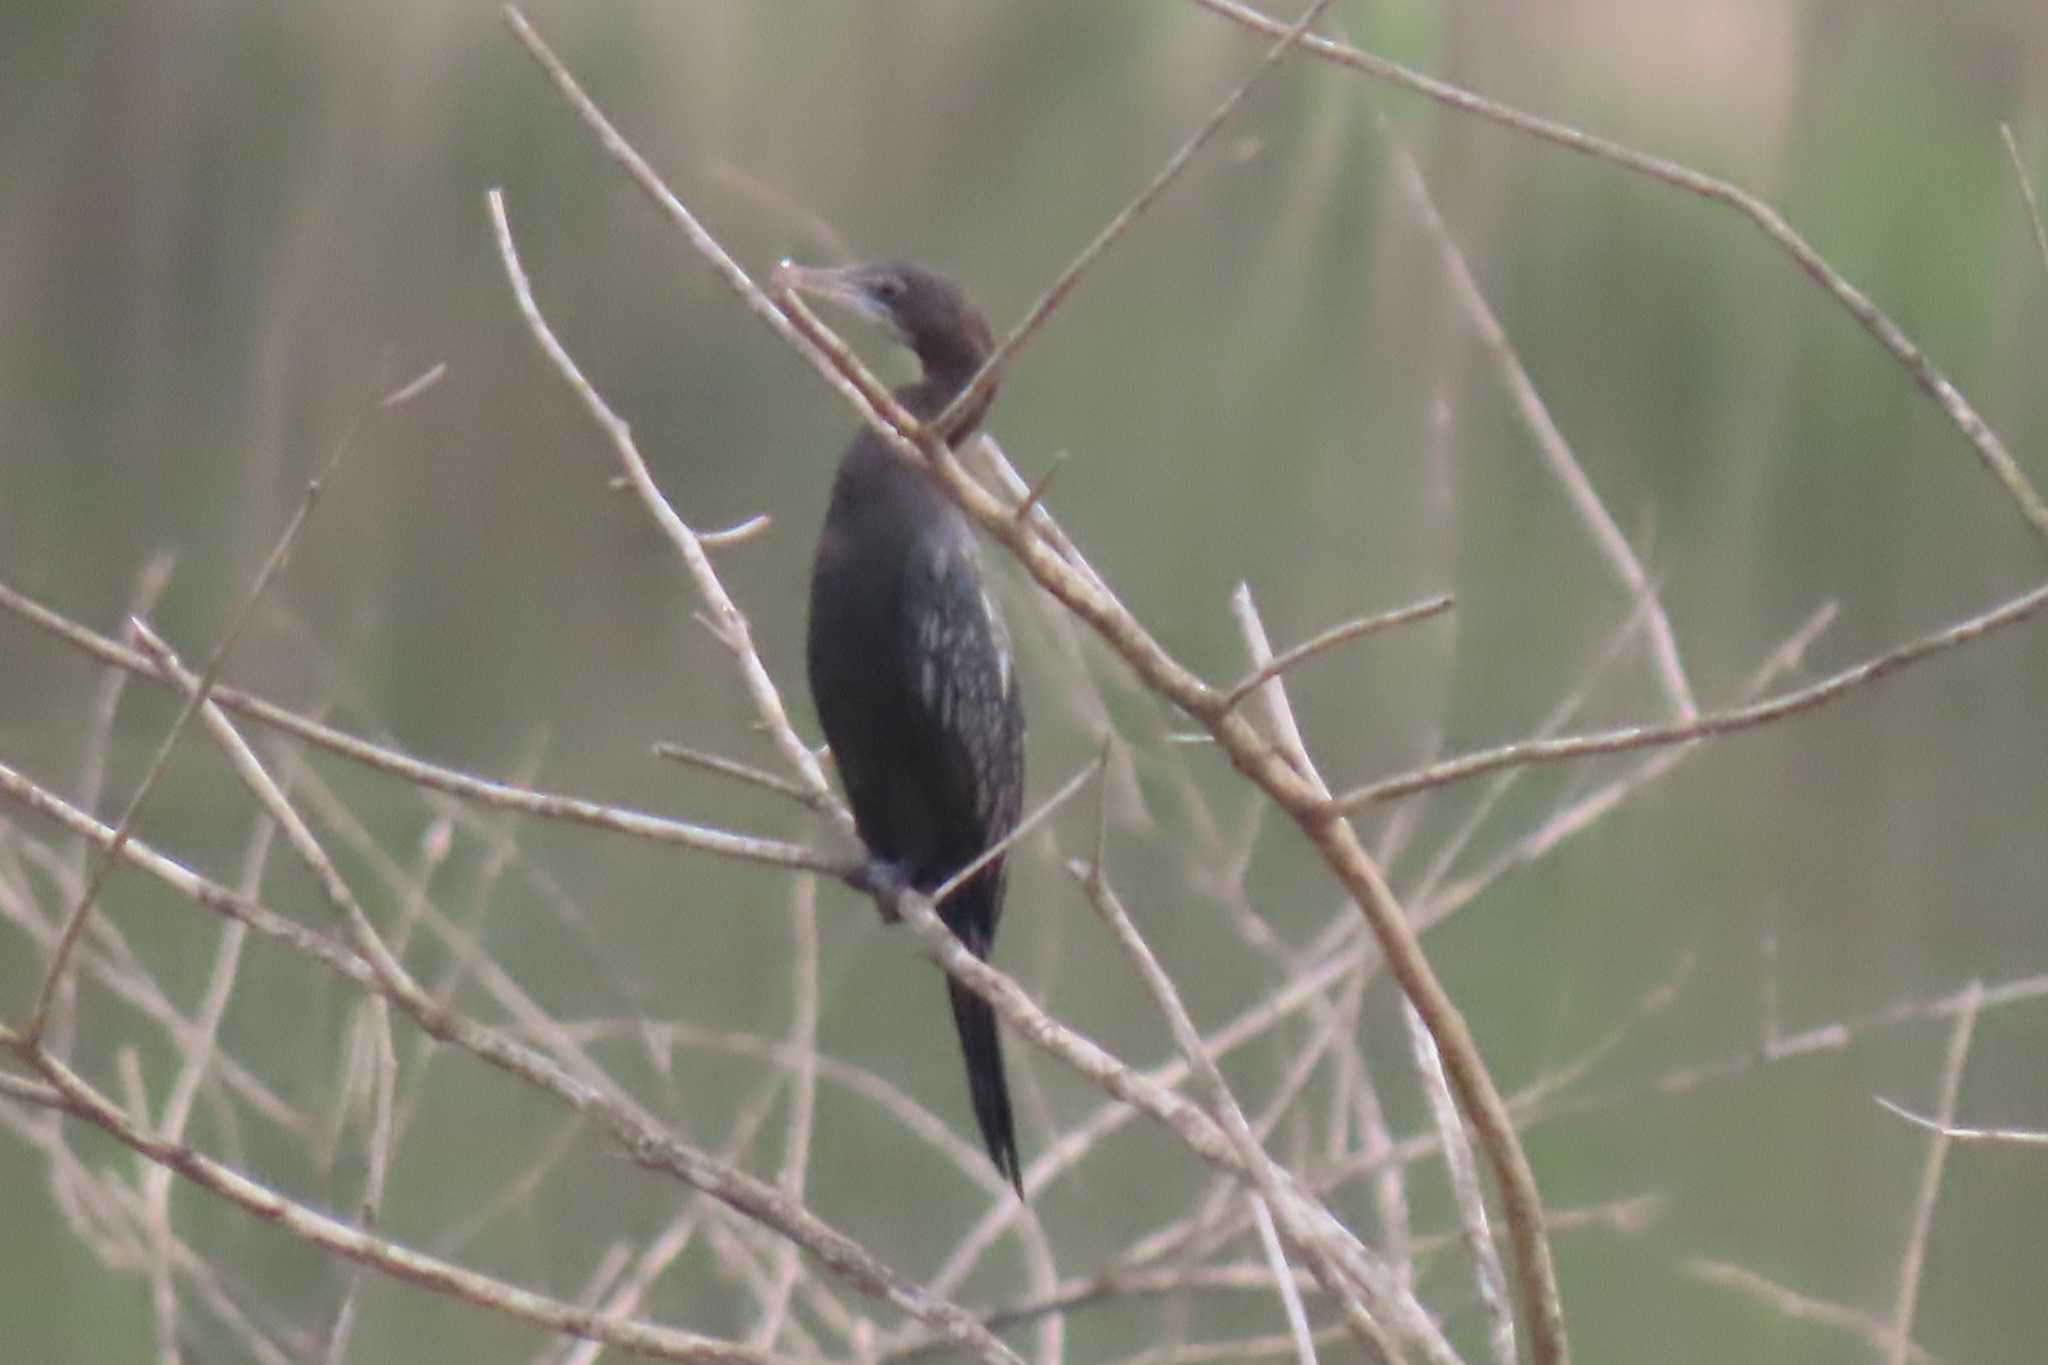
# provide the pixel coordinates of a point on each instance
(909, 661)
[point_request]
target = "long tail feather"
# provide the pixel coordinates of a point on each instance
(983, 1049)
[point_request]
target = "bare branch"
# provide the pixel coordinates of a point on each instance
(1359, 1283)
(1283, 1282)
(2012, 612)
(2018, 1137)
(739, 772)
(1090, 770)
(803, 1042)
(2027, 199)
(1907, 1297)
(433, 777)
(1923, 372)
(1037, 491)
(737, 534)
(1557, 454)
(1331, 638)
(590, 1093)
(414, 387)
(1804, 1308)
(731, 623)
(103, 864)
(1465, 1193)
(975, 395)
(387, 1257)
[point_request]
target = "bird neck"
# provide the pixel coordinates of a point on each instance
(951, 357)
(946, 376)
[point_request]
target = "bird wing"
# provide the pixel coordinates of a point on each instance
(964, 689)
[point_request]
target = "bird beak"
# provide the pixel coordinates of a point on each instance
(843, 285)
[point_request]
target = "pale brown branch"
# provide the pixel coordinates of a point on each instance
(1922, 371)
(1039, 487)
(738, 771)
(1627, 738)
(110, 960)
(648, 1145)
(1283, 1283)
(729, 622)
(1906, 1298)
(1370, 1301)
(1337, 957)
(2018, 1137)
(2026, 185)
(1331, 638)
(803, 1044)
(662, 1250)
(103, 863)
(377, 1164)
(1473, 1224)
(1581, 814)
(1452, 847)
(1047, 808)
(1550, 441)
(414, 387)
(433, 777)
(1803, 1307)
(782, 206)
(330, 1234)
(737, 534)
(111, 1204)
(199, 1053)
(975, 396)
(92, 765)
(1464, 1071)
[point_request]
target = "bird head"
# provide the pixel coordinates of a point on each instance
(918, 307)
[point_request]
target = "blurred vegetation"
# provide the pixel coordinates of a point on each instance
(227, 227)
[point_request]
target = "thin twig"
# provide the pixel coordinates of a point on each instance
(1043, 482)
(1803, 1307)
(103, 862)
(588, 1091)
(1422, 891)
(1589, 809)
(1907, 1297)
(1284, 1285)
(1334, 636)
(330, 1234)
(2018, 1137)
(1047, 808)
(738, 771)
(975, 396)
(414, 387)
(377, 1166)
(737, 534)
(99, 735)
(199, 1052)
(1359, 1283)
(803, 1042)
(1550, 441)
(2027, 199)
(434, 777)
(730, 623)
(1473, 1223)
(2012, 612)
(1922, 371)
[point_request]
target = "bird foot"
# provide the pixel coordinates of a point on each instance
(885, 880)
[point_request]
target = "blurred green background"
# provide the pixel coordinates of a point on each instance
(227, 227)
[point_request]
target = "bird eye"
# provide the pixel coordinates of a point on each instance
(890, 286)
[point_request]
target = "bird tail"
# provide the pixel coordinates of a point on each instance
(976, 1021)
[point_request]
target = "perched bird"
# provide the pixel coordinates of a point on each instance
(909, 661)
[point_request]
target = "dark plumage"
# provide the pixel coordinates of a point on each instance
(909, 662)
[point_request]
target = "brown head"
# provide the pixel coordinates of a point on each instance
(920, 308)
